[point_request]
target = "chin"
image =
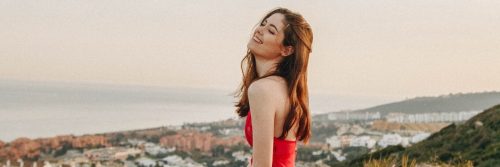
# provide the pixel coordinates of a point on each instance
(251, 47)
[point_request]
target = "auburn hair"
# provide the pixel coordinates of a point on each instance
(292, 68)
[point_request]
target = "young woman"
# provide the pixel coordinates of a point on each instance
(273, 94)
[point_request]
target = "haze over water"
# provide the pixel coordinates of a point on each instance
(38, 109)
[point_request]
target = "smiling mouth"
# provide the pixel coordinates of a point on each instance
(257, 40)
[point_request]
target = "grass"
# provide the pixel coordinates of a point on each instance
(406, 162)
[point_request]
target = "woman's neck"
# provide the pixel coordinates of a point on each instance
(264, 66)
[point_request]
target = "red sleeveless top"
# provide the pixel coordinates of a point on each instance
(283, 150)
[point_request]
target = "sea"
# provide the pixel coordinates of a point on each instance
(35, 109)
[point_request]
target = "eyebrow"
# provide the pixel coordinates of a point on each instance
(271, 24)
(274, 27)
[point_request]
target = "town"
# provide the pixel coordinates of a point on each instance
(339, 137)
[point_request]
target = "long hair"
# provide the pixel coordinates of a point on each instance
(293, 68)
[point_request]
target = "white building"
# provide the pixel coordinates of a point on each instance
(319, 152)
(230, 131)
(431, 117)
(405, 141)
(371, 143)
(356, 129)
(334, 142)
(154, 149)
(136, 142)
(220, 162)
(73, 156)
(346, 116)
(111, 153)
(122, 154)
(419, 137)
(173, 159)
(45, 164)
(241, 156)
(338, 156)
(361, 141)
(339, 141)
(143, 161)
(177, 161)
(390, 140)
(204, 128)
(342, 129)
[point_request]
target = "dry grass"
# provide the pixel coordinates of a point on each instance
(390, 161)
(406, 162)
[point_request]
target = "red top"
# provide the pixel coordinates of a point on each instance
(283, 150)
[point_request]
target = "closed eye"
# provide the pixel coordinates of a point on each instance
(263, 23)
(271, 32)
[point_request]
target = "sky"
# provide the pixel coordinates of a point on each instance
(379, 49)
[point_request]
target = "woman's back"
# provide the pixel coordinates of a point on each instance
(282, 107)
(284, 151)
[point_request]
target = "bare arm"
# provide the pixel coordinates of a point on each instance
(261, 99)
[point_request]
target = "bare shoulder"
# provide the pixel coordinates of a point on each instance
(266, 97)
(267, 86)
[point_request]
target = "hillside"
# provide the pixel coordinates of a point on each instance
(478, 140)
(444, 103)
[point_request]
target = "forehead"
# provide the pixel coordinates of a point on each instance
(277, 19)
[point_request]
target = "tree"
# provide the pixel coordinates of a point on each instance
(218, 151)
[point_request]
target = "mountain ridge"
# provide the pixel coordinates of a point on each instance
(474, 101)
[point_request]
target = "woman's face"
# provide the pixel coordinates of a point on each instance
(267, 39)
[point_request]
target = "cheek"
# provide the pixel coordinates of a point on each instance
(273, 47)
(271, 42)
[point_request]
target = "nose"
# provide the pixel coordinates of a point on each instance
(259, 30)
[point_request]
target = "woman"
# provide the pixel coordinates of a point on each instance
(273, 94)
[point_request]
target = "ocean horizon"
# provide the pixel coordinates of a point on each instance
(43, 109)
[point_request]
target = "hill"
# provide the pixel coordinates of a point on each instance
(443, 103)
(478, 140)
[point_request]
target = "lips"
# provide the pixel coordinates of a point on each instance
(256, 39)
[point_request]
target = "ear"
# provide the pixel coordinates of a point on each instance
(287, 50)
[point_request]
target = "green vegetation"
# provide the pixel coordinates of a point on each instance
(306, 154)
(477, 141)
(323, 131)
(63, 149)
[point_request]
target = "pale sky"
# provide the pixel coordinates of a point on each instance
(396, 49)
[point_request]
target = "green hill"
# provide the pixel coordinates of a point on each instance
(478, 140)
(443, 103)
